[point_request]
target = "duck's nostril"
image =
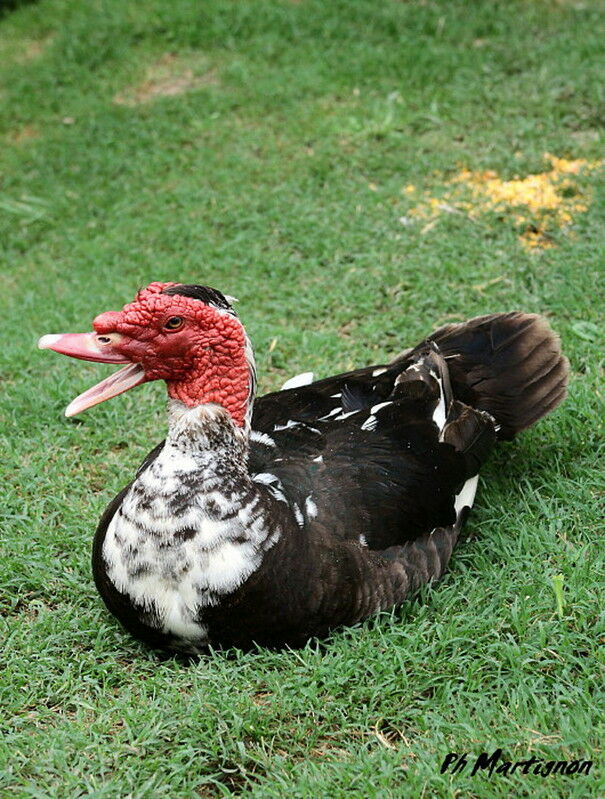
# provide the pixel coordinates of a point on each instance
(105, 339)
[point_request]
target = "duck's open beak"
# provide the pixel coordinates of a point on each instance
(91, 347)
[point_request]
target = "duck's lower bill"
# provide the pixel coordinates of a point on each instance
(117, 383)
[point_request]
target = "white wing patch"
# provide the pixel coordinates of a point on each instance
(440, 412)
(333, 412)
(310, 507)
(290, 423)
(273, 483)
(376, 408)
(303, 379)
(261, 438)
(300, 519)
(345, 415)
(466, 497)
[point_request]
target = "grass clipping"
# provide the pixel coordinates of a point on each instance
(539, 205)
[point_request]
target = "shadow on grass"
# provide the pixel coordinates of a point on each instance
(7, 6)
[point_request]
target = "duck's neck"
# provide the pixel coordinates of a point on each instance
(206, 437)
(225, 375)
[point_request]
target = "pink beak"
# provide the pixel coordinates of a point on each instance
(95, 347)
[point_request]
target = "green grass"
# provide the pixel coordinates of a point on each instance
(278, 178)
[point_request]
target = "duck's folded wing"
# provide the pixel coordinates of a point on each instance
(379, 476)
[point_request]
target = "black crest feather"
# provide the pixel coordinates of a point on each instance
(203, 293)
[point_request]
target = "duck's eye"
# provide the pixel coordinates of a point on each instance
(174, 323)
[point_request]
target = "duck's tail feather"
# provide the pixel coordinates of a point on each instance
(508, 364)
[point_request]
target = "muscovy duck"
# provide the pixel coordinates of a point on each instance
(276, 520)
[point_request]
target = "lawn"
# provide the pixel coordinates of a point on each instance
(356, 173)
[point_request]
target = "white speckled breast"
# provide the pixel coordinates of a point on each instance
(187, 533)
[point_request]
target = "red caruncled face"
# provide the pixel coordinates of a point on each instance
(199, 349)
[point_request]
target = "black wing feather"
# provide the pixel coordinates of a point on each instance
(389, 483)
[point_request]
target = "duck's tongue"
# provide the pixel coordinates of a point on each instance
(85, 347)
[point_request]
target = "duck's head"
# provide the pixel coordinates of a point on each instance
(187, 335)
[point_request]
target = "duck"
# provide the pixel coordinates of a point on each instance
(271, 521)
